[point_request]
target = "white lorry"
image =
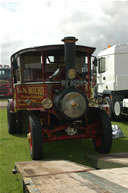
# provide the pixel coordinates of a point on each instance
(112, 79)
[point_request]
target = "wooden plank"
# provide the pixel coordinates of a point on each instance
(30, 186)
(115, 160)
(68, 177)
(98, 181)
(39, 168)
(62, 183)
(119, 176)
(112, 180)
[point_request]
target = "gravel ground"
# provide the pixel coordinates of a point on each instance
(3, 103)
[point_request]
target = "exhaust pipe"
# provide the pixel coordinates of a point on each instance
(70, 56)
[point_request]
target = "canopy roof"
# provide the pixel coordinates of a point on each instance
(51, 50)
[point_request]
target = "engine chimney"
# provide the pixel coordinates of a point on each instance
(70, 56)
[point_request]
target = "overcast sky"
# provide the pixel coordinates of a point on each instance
(28, 23)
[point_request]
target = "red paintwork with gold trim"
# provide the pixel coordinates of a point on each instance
(35, 93)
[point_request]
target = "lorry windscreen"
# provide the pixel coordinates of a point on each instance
(5, 74)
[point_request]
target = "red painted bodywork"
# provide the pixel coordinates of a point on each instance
(90, 131)
(29, 95)
(5, 84)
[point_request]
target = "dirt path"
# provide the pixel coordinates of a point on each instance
(3, 103)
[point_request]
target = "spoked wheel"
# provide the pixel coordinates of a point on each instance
(35, 138)
(103, 138)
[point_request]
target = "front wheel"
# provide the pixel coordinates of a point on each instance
(36, 142)
(103, 138)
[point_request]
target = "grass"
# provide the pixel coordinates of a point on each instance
(121, 144)
(14, 148)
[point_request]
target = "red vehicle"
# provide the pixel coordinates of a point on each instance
(53, 84)
(5, 81)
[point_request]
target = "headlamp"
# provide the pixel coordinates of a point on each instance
(47, 103)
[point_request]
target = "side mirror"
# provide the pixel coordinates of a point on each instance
(95, 62)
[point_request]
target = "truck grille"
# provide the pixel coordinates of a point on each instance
(4, 91)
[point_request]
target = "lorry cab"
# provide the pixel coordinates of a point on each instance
(5, 81)
(112, 77)
(113, 69)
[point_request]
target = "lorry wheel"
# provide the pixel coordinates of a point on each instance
(117, 110)
(108, 109)
(11, 117)
(103, 140)
(36, 142)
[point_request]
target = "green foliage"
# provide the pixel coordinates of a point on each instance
(14, 148)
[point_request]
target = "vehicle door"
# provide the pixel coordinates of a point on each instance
(101, 75)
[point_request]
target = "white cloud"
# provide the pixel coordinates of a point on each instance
(26, 23)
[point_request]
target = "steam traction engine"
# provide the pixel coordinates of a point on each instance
(53, 83)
